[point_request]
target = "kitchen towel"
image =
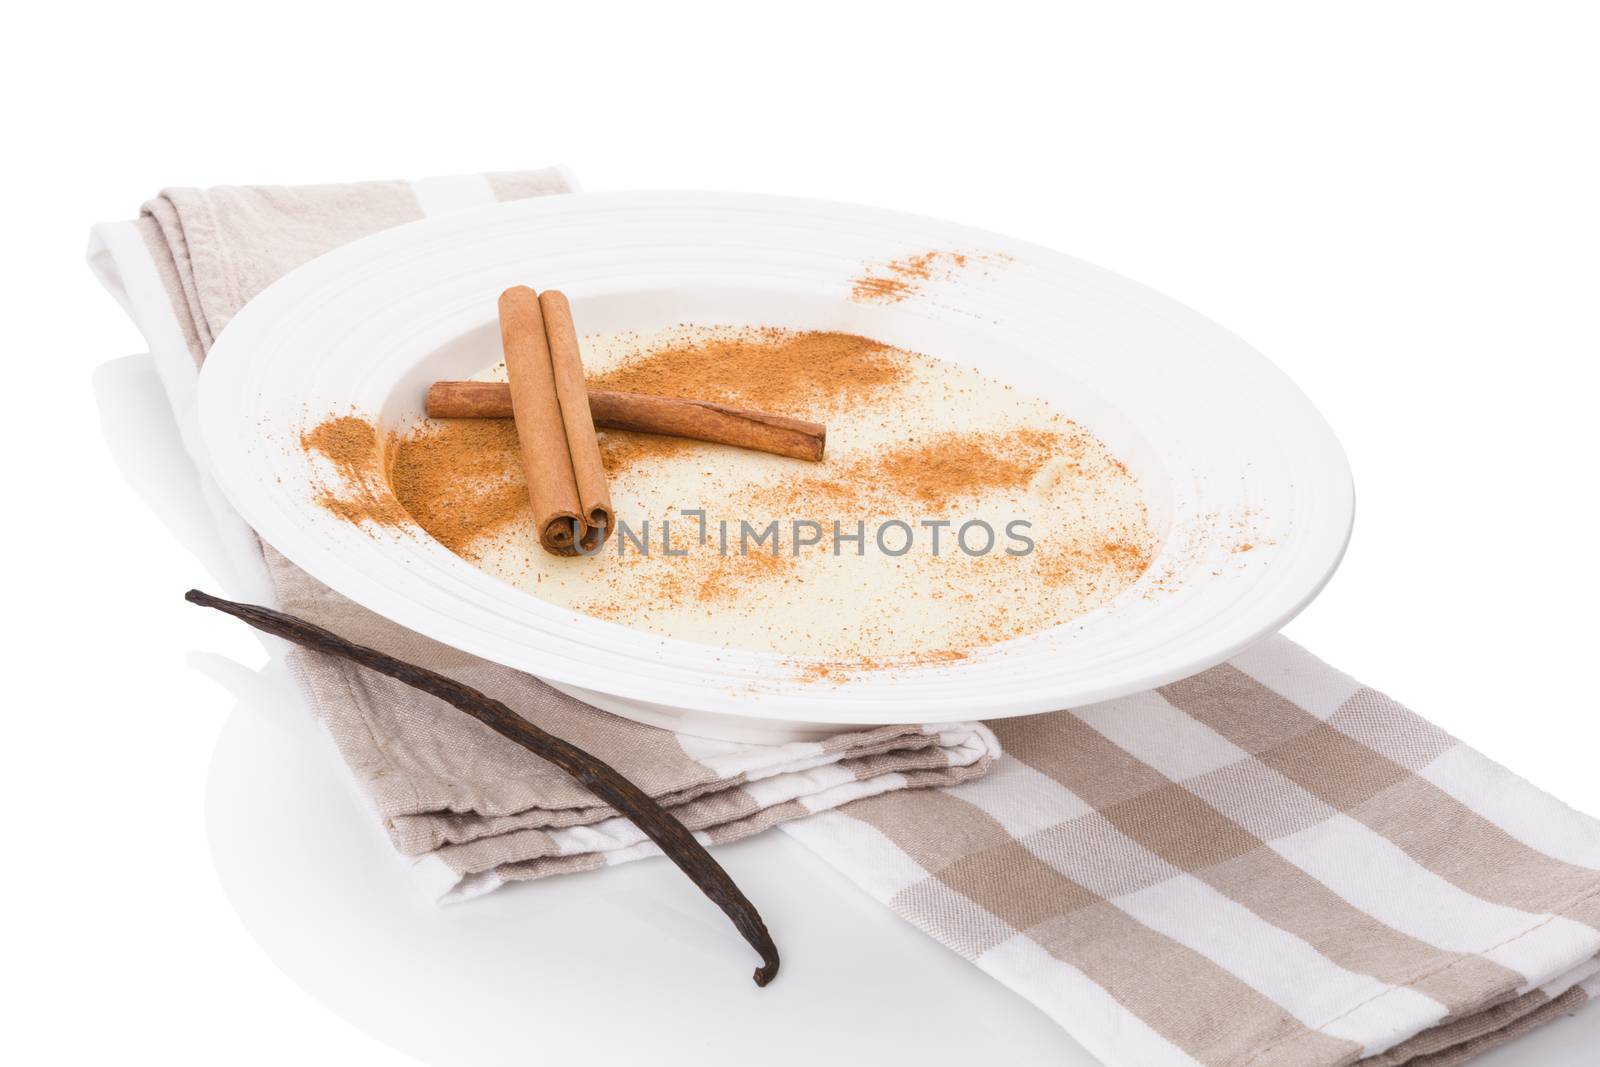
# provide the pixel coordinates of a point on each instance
(471, 809)
(1266, 864)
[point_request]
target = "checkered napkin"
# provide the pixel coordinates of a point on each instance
(1267, 864)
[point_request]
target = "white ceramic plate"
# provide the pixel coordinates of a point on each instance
(1228, 451)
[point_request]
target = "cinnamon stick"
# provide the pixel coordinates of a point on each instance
(699, 420)
(594, 499)
(541, 433)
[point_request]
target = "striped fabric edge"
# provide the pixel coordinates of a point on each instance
(1265, 864)
(454, 874)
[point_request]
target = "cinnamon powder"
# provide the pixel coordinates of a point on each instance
(804, 374)
(461, 482)
(892, 282)
(932, 474)
(961, 464)
(460, 479)
(621, 451)
(360, 494)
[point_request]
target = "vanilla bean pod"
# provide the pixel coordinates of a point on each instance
(595, 775)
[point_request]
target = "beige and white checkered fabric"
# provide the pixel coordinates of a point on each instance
(1266, 864)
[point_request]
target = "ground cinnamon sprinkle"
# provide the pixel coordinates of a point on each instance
(456, 478)
(881, 289)
(840, 670)
(932, 473)
(1092, 567)
(703, 578)
(804, 374)
(361, 492)
(889, 283)
(620, 451)
(460, 479)
(960, 464)
(728, 575)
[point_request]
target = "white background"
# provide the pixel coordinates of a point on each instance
(1398, 203)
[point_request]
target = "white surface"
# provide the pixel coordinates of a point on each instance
(1394, 202)
(1216, 435)
(319, 887)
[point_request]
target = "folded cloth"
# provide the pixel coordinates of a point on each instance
(1267, 864)
(472, 809)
